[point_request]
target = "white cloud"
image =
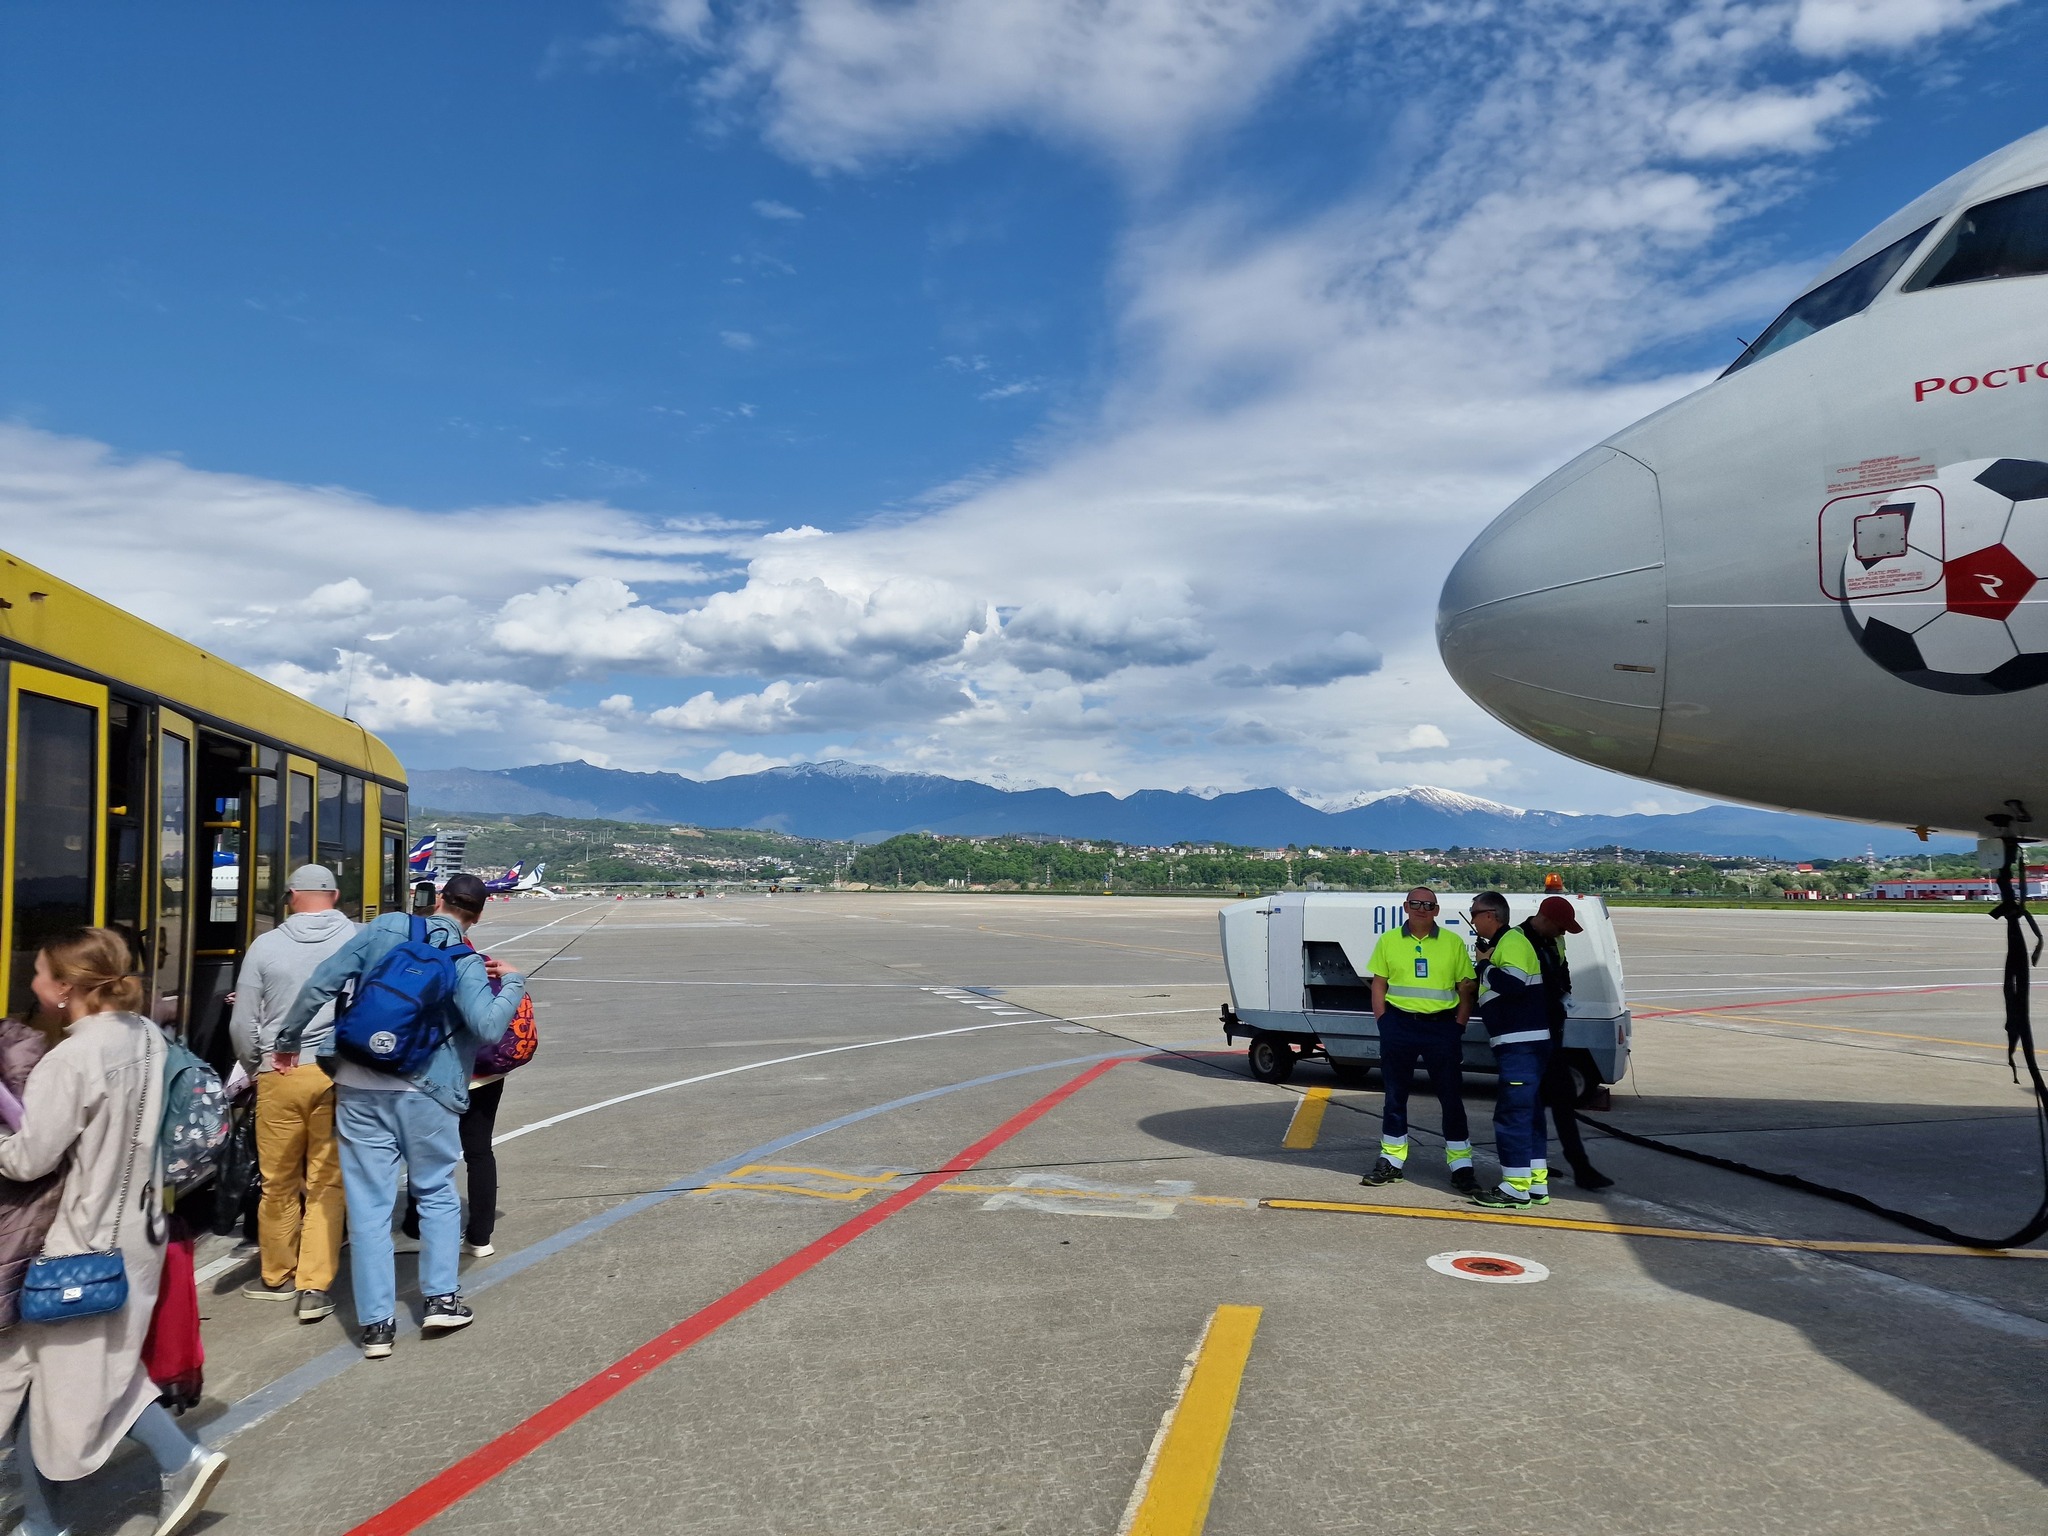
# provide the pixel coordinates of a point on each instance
(1767, 121)
(1831, 28)
(840, 83)
(768, 208)
(739, 341)
(728, 764)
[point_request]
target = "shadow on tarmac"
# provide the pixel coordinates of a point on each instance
(1962, 1362)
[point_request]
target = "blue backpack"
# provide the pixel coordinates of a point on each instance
(404, 1006)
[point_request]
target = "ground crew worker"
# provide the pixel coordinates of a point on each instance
(1422, 989)
(1512, 1005)
(1546, 930)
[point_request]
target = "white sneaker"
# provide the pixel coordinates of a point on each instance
(185, 1491)
(479, 1250)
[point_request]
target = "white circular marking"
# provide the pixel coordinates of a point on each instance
(1491, 1268)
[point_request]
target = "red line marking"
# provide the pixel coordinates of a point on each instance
(1824, 997)
(450, 1487)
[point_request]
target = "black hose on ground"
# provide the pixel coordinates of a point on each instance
(2019, 1043)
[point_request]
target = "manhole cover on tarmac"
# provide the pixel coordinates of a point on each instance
(1493, 1268)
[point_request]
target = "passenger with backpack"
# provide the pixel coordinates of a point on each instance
(93, 1114)
(515, 1048)
(420, 1007)
(299, 1222)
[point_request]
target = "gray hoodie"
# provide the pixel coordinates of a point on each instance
(273, 972)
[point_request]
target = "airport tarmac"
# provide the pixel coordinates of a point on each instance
(863, 1213)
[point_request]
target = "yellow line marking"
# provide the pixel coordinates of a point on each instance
(1568, 1224)
(1179, 1476)
(1848, 1029)
(1307, 1123)
(817, 1173)
(1235, 1202)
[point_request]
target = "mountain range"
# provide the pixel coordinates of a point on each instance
(865, 804)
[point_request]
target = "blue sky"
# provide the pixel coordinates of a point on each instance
(1090, 392)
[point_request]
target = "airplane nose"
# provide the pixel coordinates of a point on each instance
(1553, 621)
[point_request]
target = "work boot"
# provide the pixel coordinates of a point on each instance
(1497, 1199)
(1465, 1181)
(1385, 1171)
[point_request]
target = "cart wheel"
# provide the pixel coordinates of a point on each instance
(1270, 1060)
(1586, 1078)
(1352, 1076)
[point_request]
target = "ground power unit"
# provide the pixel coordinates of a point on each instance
(1299, 986)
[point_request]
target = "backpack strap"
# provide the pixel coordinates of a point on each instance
(419, 928)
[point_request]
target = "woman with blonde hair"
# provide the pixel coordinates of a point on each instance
(93, 1106)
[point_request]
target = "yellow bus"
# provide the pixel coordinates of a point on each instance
(153, 787)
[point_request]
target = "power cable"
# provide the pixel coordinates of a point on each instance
(2019, 1043)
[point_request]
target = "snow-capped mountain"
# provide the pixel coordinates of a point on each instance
(857, 800)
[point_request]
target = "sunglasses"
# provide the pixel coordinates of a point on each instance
(1420, 906)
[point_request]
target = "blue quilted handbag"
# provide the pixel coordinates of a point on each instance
(58, 1288)
(55, 1290)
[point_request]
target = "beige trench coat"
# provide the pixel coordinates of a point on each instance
(85, 1379)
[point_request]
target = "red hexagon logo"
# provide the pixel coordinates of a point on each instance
(1988, 584)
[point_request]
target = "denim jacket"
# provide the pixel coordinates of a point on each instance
(483, 1013)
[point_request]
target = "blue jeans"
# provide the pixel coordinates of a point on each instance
(1518, 1129)
(1435, 1038)
(380, 1132)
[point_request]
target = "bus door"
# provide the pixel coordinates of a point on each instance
(171, 960)
(224, 896)
(56, 765)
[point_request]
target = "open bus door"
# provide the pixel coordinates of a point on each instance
(171, 957)
(56, 767)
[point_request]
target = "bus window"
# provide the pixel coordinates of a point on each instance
(352, 840)
(394, 808)
(127, 817)
(172, 809)
(266, 895)
(54, 810)
(300, 820)
(337, 852)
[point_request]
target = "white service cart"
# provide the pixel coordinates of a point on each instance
(1299, 988)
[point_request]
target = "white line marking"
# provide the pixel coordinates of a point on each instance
(1143, 1013)
(544, 927)
(705, 1077)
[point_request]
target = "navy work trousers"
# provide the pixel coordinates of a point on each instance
(1519, 1134)
(1434, 1038)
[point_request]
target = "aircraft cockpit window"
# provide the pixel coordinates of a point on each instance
(2006, 237)
(1848, 293)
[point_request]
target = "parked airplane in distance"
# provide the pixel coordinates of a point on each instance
(1819, 583)
(421, 859)
(513, 883)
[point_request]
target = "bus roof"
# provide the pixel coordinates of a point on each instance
(42, 614)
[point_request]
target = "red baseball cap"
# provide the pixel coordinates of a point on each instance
(1559, 911)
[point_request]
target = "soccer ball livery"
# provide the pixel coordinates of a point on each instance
(1946, 586)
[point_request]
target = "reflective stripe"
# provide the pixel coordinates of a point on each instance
(1394, 1151)
(1522, 1037)
(1486, 992)
(1458, 1153)
(1440, 994)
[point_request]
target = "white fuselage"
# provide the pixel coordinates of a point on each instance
(1672, 603)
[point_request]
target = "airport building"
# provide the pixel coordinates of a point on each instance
(1965, 888)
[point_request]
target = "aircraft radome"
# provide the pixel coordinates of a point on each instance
(1819, 583)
